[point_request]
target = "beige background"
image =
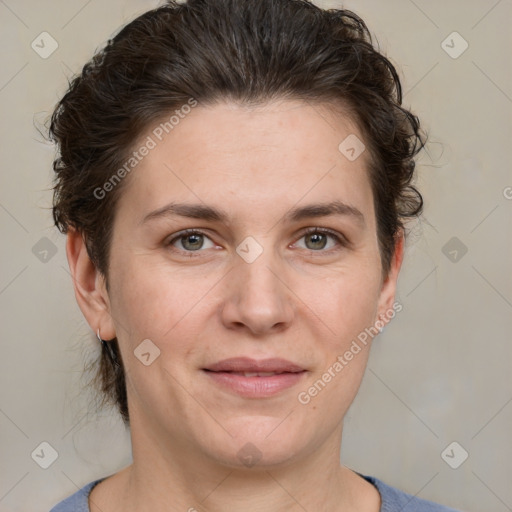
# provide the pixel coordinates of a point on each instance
(441, 372)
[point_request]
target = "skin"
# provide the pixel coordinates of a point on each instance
(299, 300)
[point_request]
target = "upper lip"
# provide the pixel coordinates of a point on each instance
(247, 364)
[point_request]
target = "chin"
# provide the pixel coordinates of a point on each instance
(258, 442)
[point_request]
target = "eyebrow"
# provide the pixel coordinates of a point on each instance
(204, 212)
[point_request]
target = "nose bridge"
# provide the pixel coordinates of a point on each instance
(258, 297)
(259, 275)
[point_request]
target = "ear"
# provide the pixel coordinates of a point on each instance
(388, 290)
(90, 286)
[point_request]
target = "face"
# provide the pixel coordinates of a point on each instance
(248, 312)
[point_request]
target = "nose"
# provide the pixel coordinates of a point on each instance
(258, 298)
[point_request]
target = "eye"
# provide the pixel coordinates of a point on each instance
(190, 241)
(316, 239)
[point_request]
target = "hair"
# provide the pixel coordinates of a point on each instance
(247, 51)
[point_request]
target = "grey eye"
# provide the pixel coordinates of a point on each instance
(317, 240)
(192, 241)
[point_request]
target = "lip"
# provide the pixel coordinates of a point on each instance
(228, 374)
(246, 364)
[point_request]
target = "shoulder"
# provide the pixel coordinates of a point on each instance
(77, 502)
(393, 499)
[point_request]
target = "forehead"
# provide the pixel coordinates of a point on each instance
(269, 156)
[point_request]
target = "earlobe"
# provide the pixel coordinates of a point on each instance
(89, 285)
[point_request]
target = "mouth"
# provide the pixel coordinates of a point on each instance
(251, 378)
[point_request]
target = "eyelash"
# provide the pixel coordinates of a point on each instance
(340, 240)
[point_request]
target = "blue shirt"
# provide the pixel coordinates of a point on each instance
(392, 500)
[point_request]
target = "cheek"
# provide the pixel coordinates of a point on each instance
(347, 304)
(348, 314)
(152, 301)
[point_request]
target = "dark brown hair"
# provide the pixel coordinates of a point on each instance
(249, 51)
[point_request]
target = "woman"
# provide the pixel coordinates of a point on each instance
(233, 180)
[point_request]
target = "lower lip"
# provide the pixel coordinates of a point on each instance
(256, 387)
